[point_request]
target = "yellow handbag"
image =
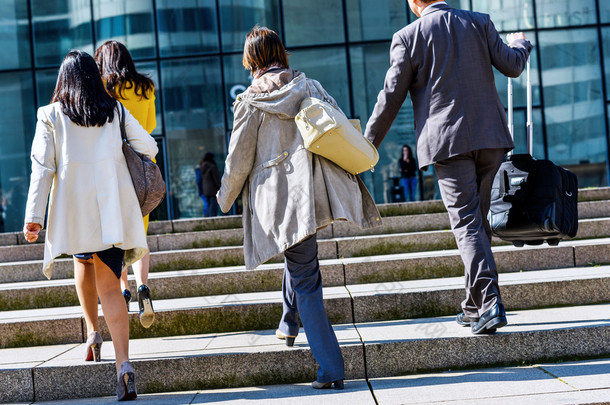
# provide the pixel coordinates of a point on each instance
(327, 132)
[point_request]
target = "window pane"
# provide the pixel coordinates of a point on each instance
(520, 132)
(460, 4)
(17, 115)
(45, 85)
(187, 27)
(606, 45)
(574, 108)
(194, 123)
(553, 13)
(237, 17)
(508, 15)
(604, 11)
(14, 35)
(237, 80)
(130, 22)
(375, 20)
(59, 26)
(329, 67)
(306, 25)
(369, 66)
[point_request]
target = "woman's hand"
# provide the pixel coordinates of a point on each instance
(31, 231)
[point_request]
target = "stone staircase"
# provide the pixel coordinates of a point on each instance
(392, 294)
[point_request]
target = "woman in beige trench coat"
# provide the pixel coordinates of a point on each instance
(288, 193)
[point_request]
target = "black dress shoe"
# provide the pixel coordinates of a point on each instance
(490, 321)
(464, 320)
(289, 339)
(321, 386)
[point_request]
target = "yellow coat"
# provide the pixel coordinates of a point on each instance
(143, 110)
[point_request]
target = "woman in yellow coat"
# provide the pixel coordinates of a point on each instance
(137, 93)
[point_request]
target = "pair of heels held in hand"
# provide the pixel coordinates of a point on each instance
(147, 313)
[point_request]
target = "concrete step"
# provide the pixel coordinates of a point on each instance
(351, 303)
(436, 297)
(371, 350)
(227, 231)
(448, 263)
(583, 382)
(164, 285)
(408, 346)
(362, 243)
(552, 383)
(357, 392)
(335, 272)
(372, 245)
(358, 246)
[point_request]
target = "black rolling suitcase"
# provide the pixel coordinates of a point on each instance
(532, 200)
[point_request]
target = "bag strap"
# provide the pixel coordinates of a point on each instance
(122, 122)
(322, 92)
(308, 88)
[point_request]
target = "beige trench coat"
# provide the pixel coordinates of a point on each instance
(288, 193)
(82, 172)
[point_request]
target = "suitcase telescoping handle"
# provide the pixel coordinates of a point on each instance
(529, 124)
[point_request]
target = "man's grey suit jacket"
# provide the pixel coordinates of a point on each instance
(445, 60)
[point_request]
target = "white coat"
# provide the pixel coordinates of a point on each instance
(82, 173)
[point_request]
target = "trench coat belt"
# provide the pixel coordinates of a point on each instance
(276, 160)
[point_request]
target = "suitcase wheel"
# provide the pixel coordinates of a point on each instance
(553, 242)
(518, 243)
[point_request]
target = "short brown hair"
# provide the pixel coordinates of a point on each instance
(263, 48)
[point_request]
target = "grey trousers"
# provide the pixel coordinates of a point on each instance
(302, 293)
(465, 183)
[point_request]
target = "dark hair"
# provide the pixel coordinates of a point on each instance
(263, 48)
(118, 70)
(208, 157)
(80, 91)
(409, 151)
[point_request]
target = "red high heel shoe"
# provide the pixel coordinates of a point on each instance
(93, 348)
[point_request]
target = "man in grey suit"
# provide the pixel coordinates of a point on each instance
(445, 59)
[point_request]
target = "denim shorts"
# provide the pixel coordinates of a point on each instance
(112, 258)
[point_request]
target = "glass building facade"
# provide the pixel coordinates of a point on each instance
(192, 51)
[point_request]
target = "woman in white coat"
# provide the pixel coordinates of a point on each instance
(93, 212)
